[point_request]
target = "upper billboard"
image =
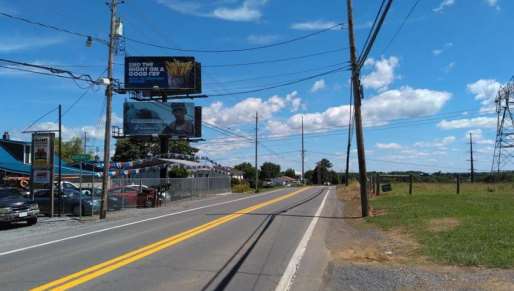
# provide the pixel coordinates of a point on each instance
(171, 75)
(155, 118)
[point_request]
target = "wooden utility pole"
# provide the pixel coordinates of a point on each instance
(358, 115)
(303, 157)
(471, 160)
(59, 187)
(108, 112)
(256, 152)
(349, 141)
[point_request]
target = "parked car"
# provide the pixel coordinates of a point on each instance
(14, 207)
(113, 202)
(127, 195)
(72, 203)
(137, 195)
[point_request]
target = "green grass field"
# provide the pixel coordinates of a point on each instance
(483, 234)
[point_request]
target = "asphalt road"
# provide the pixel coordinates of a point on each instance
(235, 244)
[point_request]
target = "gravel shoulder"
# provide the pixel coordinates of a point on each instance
(363, 257)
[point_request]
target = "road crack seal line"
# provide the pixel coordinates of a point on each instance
(101, 269)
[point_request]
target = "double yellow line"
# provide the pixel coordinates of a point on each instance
(101, 269)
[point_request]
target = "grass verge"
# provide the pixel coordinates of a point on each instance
(474, 228)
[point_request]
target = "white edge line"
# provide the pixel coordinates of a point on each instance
(131, 223)
(288, 276)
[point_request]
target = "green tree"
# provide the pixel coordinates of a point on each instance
(322, 172)
(130, 149)
(290, 173)
(248, 172)
(69, 148)
(309, 177)
(178, 172)
(270, 170)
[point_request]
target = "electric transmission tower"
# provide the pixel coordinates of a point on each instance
(503, 159)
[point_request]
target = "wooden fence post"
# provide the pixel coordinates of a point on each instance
(458, 184)
(411, 180)
(378, 184)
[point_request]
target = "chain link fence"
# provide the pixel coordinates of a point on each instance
(83, 197)
(162, 191)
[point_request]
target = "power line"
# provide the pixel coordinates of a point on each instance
(104, 41)
(40, 118)
(236, 50)
(373, 26)
(279, 75)
(402, 25)
(52, 27)
(55, 72)
(374, 32)
(273, 61)
(287, 83)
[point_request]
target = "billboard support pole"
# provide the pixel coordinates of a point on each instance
(164, 145)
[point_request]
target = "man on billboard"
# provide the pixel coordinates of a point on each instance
(180, 126)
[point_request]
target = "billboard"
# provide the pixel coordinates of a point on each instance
(42, 170)
(176, 119)
(172, 75)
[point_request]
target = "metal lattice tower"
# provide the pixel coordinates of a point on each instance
(503, 159)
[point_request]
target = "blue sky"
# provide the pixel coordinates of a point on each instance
(435, 83)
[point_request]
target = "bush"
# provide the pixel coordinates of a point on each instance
(241, 188)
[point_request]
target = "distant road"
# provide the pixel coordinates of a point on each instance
(240, 244)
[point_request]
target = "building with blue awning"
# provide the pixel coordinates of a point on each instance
(15, 160)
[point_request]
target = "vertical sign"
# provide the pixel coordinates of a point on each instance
(42, 172)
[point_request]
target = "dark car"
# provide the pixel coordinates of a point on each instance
(113, 202)
(71, 201)
(14, 207)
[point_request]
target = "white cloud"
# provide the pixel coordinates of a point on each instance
(248, 11)
(437, 143)
(244, 111)
(484, 122)
(443, 5)
(11, 44)
(228, 144)
(493, 3)
(485, 91)
(262, 39)
(448, 68)
(382, 75)
(478, 137)
(388, 146)
(405, 102)
(93, 132)
(437, 52)
(390, 105)
(318, 86)
(295, 101)
(231, 10)
(313, 25)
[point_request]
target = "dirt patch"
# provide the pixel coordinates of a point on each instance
(366, 243)
(443, 224)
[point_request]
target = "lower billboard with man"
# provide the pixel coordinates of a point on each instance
(178, 119)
